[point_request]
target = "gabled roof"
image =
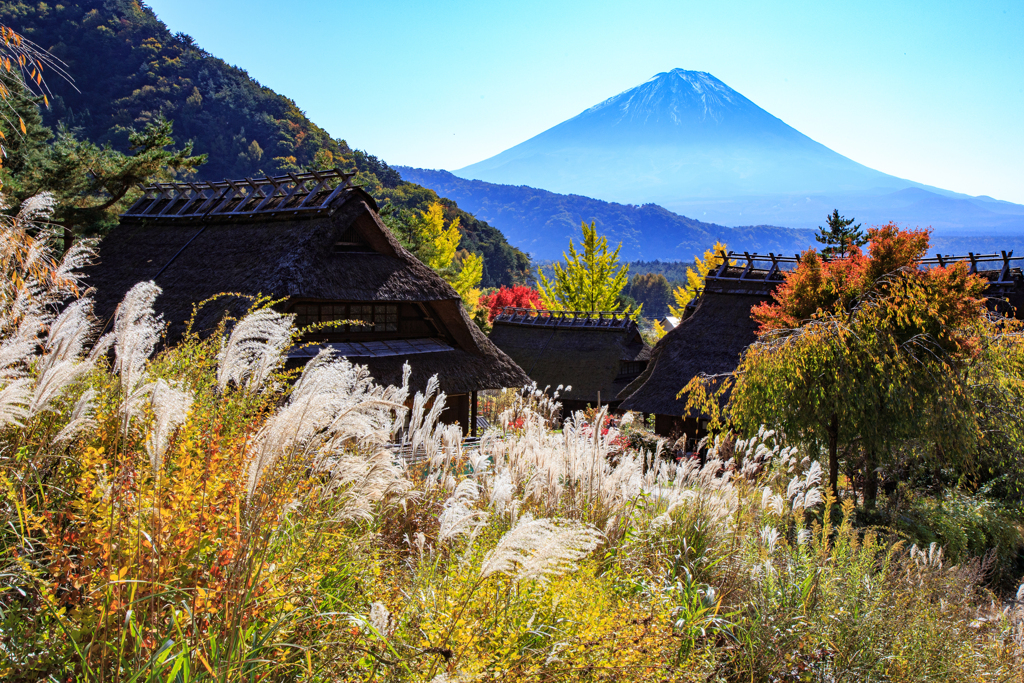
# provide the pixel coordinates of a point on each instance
(309, 236)
(584, 350)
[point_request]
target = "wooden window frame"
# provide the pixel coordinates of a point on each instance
(381, 316)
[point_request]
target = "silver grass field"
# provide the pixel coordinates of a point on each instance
(201, 512)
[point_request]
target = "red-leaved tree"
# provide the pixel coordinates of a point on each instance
(519, 296)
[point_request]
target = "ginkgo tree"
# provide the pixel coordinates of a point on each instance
(437, 246)
(591, 280)
(695, 277)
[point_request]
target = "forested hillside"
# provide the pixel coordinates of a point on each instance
(541, 222)
(130, 71)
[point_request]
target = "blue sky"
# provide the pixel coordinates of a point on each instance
(930, 91)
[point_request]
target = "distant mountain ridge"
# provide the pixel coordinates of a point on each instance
(688, 142)
(541, 222)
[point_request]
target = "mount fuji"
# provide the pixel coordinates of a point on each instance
(687, 141)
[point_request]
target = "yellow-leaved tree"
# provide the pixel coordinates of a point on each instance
(438, 248)
(591, 281)
(467, 281)
(694, 286)
(437, 243)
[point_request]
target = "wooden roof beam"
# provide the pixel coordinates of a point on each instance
(342, 186)
(158, 195)
(750, 266)
(321, 181)
(1004, 274)
(215, 194)
(245, 197)
(275, 187)
(191, 193)
(291, 193)
(725, 262)
(229, 194)
(774, 269)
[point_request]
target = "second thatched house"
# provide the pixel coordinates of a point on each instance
(318, 244)
(716, 331)
(597, 354)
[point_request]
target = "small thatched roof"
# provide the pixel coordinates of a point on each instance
(293, 237)
(711, 341)
(584, 350)
(713, 336)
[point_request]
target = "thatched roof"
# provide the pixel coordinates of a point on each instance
(717, 331)
(585, 351)
(711, 340)
(292, 237)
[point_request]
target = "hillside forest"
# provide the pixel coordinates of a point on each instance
(130, 72)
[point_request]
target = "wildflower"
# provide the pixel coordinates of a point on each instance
(136, 332)
(81, 418)
(170, 407)
(14, 401)
(770, 537)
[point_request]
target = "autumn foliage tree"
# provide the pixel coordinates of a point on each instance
(867, 355)
(437, 246)
(591, 280)
(519, 296)
(695, 278)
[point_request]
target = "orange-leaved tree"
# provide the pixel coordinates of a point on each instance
(862, 355)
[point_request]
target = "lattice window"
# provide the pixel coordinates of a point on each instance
(385, 318)
(629, 368)
(378, 317)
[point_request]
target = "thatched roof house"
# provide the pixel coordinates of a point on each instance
(719, 328)
(597, 354)
(316, 242)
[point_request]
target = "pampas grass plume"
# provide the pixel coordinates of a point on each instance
(255, 347)
(541, 549)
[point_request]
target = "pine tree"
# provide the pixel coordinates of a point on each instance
(589, 281)
(93, 184)
(840, 236)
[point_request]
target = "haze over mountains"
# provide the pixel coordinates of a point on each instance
(541, 222)
(687, 141)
